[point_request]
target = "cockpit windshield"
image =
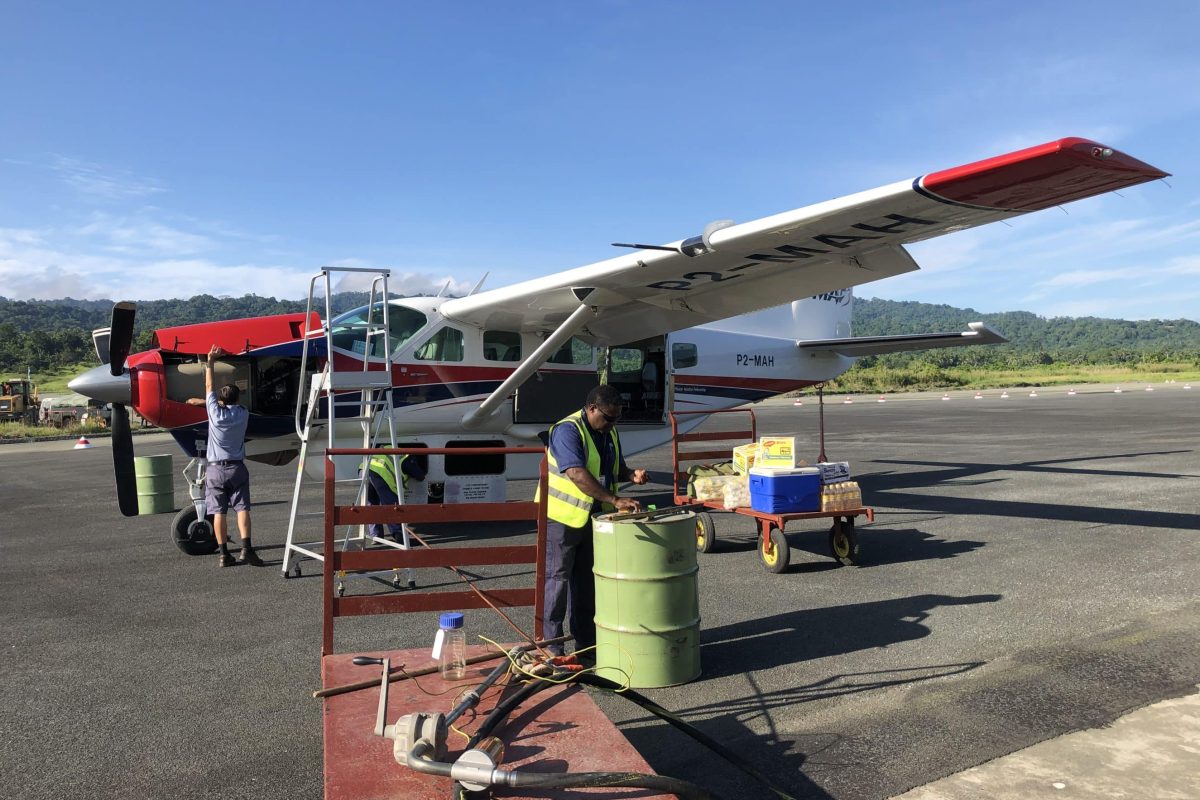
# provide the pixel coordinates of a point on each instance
(350, 331)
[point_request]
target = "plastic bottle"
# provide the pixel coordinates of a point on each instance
(453, 649)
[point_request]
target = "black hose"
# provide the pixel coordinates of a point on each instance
(673, 720)
(573, 780)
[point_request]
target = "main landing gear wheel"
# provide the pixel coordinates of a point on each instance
(773, 551)
(706, 532)
(193, 536)
(842, 541)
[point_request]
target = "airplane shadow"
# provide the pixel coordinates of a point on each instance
(742, 649)
(895, 484)
(805, 634)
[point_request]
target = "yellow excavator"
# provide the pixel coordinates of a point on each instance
(19, 401)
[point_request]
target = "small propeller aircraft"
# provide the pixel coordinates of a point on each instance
(737, 313)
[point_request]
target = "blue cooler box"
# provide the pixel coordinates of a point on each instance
(783, 491)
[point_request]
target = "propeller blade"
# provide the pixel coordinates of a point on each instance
(121, 335)
(122, 445)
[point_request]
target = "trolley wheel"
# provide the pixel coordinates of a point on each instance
(196, 537)
(706, 532)
(773, 551)
(340, 589)
(296, 570)
(843, 543)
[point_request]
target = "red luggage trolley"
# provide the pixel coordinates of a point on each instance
(773, 550)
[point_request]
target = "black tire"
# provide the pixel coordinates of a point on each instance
(196, 537)
(776, 555)
(843, 542)
(706, 532)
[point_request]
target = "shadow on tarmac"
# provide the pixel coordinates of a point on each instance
(806, 634)
(893, 484)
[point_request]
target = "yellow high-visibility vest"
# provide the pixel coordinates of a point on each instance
(382, 466)
(565, 502)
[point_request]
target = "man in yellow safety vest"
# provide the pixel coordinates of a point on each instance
(585, 465)
(383, 489)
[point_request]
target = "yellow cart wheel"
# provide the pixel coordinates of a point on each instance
(773, 550)
(842, 541)
(706, 532)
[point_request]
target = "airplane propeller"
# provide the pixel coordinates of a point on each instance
(119, 340)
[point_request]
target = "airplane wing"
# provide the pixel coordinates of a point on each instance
(735, 269)
(855, 346)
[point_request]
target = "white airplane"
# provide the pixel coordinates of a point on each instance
(737, 313)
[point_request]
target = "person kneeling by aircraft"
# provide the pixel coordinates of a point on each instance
(585, 465)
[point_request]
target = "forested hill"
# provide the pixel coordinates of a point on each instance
(1093, 339)
(44, 334)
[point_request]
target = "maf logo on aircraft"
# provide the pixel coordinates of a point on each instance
(841, 297)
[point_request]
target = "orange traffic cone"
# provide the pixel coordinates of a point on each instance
(82, 444)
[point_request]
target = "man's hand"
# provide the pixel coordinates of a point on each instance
(216, 352)
(639, 477)
(195, 401)
(628, 504)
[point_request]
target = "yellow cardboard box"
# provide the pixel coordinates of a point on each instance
(744, 457)
(777, 451)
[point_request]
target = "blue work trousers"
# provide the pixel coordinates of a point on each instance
(380, 494)
(570, 585)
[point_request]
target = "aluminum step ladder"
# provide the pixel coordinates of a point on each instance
(348, 396)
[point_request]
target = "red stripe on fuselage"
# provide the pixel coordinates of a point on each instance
(1040, 177)
(766, 384)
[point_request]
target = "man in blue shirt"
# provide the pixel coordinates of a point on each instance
(227, 481)
(583, 481)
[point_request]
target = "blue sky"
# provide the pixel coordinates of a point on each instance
(154, 150)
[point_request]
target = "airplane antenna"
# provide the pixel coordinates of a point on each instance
(646, 247)
(476, 287)
(1164, 180)
(442, 291)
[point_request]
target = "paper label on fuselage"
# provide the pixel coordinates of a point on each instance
(602, 526)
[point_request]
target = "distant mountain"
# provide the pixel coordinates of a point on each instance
(43, 334)
(1027, 331)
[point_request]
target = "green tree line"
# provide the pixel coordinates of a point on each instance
(51, 334)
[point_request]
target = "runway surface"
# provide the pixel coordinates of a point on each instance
(1033, 569)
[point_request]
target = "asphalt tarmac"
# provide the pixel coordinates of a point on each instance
(1032, 571)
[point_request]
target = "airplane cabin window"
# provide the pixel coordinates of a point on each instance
(501, 346)
(574, 351)
(684, 355)
(350, 329)
(445, 345)
(626, 359)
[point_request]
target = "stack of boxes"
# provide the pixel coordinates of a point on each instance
(779, 484)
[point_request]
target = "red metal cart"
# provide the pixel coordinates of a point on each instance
(773, 549)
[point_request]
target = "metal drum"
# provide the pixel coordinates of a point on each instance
(155, 484)
(647, 601)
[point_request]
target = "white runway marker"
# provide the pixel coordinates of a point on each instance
(1033, 393)
(1070, 392)
(1004, 395)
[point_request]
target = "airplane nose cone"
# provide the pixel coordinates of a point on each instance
(100, 384)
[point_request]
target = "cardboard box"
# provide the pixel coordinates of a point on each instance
(783, 491)
(744, 457)
(778, 452)
(834, 471)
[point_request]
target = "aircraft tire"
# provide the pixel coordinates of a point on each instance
(775, 554)
(706, 532)
(196, 537)
(843, 543)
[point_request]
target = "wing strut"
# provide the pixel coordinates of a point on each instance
(579, 318)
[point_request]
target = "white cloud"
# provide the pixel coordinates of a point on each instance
(134, 235)
(97, 181)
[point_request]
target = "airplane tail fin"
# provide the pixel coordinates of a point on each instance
(826, 316)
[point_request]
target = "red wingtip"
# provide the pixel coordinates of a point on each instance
(1042, 176)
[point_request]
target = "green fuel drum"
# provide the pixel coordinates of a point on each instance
(155, 484)
(647, 601)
